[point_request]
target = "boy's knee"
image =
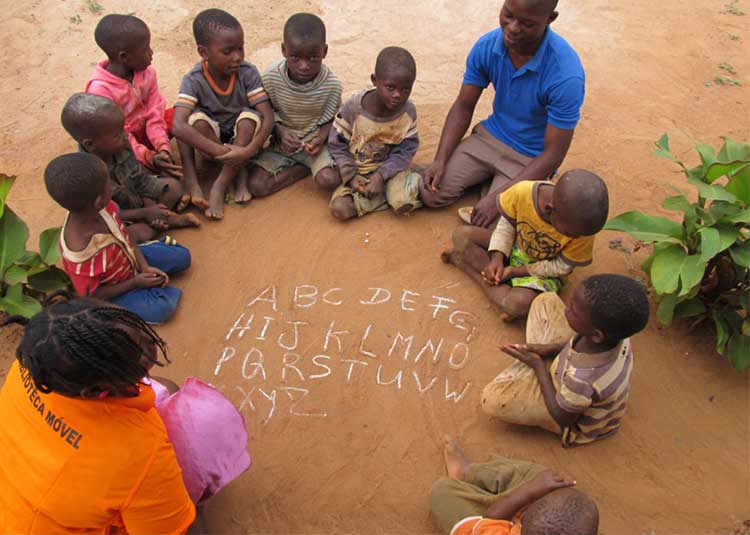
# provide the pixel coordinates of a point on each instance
(342, 208)
(259, 184)
(431, 199)
(328, 178)
(518, 304)
(462, 237)
(183, 258)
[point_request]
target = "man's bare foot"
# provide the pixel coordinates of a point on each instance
(450, 256)
(215, 208)
(183, 203)
(196, 197)
(241, 192)
(456, 463)
(183, 220)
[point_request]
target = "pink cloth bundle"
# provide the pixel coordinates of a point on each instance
(208, 435)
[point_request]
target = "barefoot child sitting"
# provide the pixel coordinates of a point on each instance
(128, 79)
(222, 111)
(374, 139)
(97, 252)
(306, 96)
(545, 230)
(583, 392)
(508, 497)
(96, 123)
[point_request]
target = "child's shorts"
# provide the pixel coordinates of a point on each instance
(401, 193)
(541, 284)
(226, 132)
(274, 159)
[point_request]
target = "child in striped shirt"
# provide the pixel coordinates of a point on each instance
(305, 95)
(582, 394)
(222, 110)
(98, 255)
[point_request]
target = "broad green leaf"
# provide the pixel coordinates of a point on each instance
(662, 148)
(746, 327)
(16, 274)
(710, 243)
(689, 308)
(745, 301)
(741, 217)
(718, 170)
(49, 245)
(727, 236)
(739, 185)
(732, 157)
(13, 236)
(678, 203)
(6, 182)
(715, 192)
(739, 351)
(665, 271)
(646, 265)
(16, 302)
(707, 154)
(49, 280)
(647, 228)
(691, 273)
(29, 259)
(665, 310)
(741, 254)
(722, 331)
(733, 151)
(722, 210)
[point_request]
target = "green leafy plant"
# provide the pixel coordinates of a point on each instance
(700, 268)
(26, 277)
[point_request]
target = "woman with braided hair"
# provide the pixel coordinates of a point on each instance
(91, 444)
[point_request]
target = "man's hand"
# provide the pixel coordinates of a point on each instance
(493, 272)
(531, 359)
(359, 184)
(163, 162)
(163, 277)
(236, 156)
(289, 141)
(375, 186)
(433, 175)
(547, 481)
(315, 145)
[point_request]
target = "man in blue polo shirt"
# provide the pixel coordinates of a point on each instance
(539, 87)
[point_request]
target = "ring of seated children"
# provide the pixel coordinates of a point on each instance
(126, 188)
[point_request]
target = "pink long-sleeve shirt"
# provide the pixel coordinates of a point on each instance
(142, 104)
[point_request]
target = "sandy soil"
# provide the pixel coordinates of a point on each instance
(349, 442)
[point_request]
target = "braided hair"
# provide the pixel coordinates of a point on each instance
(87, 346)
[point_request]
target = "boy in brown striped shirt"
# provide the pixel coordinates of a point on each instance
(582, 394)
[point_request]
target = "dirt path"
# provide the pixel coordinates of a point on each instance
(346, 423)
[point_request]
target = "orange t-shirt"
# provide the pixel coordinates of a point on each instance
(72, 465)
(479, 525)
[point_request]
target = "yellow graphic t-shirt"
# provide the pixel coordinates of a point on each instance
(535, 237)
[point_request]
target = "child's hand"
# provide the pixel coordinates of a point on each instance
(314, 146)
(236, 156)
(288, 139)
(156, 211)
(531, 359)
(508, 273)
(359, 184)
(493, 272)
(159, 273)
(159, 224)
(375, 186)
(547, 481)
(164, 163)
(545, 350)
(147, 280)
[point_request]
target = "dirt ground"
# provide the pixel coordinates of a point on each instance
(345, 420)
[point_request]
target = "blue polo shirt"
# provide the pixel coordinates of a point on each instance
(549, 89)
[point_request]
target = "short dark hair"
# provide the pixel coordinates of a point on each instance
(619, 305)
(586, 200)
(562, 512)
(394, 59)
(118, 33)
(210, 21)
(305, 28)
(82, 113)
(75, 180)
(85, 345)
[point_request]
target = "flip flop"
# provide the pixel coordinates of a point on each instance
(465, 214)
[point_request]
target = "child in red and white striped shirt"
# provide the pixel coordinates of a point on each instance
(98, 254)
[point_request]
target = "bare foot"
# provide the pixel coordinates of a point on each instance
(241, 192)
(456, 463)
(215, 208)
(196, 197)
(183, 220)
(183, 203)
(450, 256)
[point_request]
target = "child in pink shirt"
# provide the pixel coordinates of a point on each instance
(128, 79)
